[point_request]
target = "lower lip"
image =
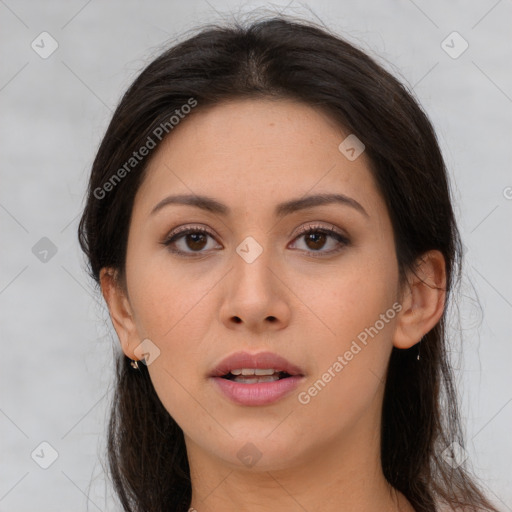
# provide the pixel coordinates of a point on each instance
(262, 393)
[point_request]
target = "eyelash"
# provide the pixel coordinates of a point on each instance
(180, 233)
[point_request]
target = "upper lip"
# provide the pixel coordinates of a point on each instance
(260, 360)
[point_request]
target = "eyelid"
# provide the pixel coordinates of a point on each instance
(188, 227)
(316, 225)
(303, 229)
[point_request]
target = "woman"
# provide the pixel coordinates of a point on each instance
(270, 221)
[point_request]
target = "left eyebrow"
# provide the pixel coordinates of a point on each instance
(282, 209)
(303, 203)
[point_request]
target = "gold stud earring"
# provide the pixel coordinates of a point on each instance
(134, 364)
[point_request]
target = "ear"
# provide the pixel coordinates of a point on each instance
(423, 300)
(115, 296)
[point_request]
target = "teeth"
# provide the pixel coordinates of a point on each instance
(254, 380)
(254, 371)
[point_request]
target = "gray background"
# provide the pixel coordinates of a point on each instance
(56, 337)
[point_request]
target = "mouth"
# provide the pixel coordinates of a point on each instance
(260, 367)
(254, 376)
(256, 379)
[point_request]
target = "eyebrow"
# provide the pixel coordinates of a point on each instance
(281, 210)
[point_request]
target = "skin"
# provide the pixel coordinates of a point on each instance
(250, 155)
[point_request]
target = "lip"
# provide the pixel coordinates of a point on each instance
(260, 360)
(260, 393)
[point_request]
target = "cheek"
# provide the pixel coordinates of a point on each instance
(349, 371)
(350, 297)
(163, 296)
(353, 349)
(171, 310)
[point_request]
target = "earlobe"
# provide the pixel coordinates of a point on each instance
(424, 300)
(120, 311)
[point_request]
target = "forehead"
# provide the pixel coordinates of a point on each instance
(254, 153)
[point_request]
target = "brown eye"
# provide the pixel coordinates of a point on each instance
(317, 237)
(193, 240)
(316, 240)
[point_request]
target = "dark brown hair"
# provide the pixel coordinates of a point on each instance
(282, 58)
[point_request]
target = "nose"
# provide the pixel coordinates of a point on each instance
(256, 297)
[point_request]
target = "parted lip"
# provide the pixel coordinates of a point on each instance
(260, 360)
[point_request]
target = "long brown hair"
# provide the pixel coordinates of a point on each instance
(285, 58)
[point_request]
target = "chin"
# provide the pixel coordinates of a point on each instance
(260, 453)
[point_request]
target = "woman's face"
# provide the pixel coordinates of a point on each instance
(252, 282)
